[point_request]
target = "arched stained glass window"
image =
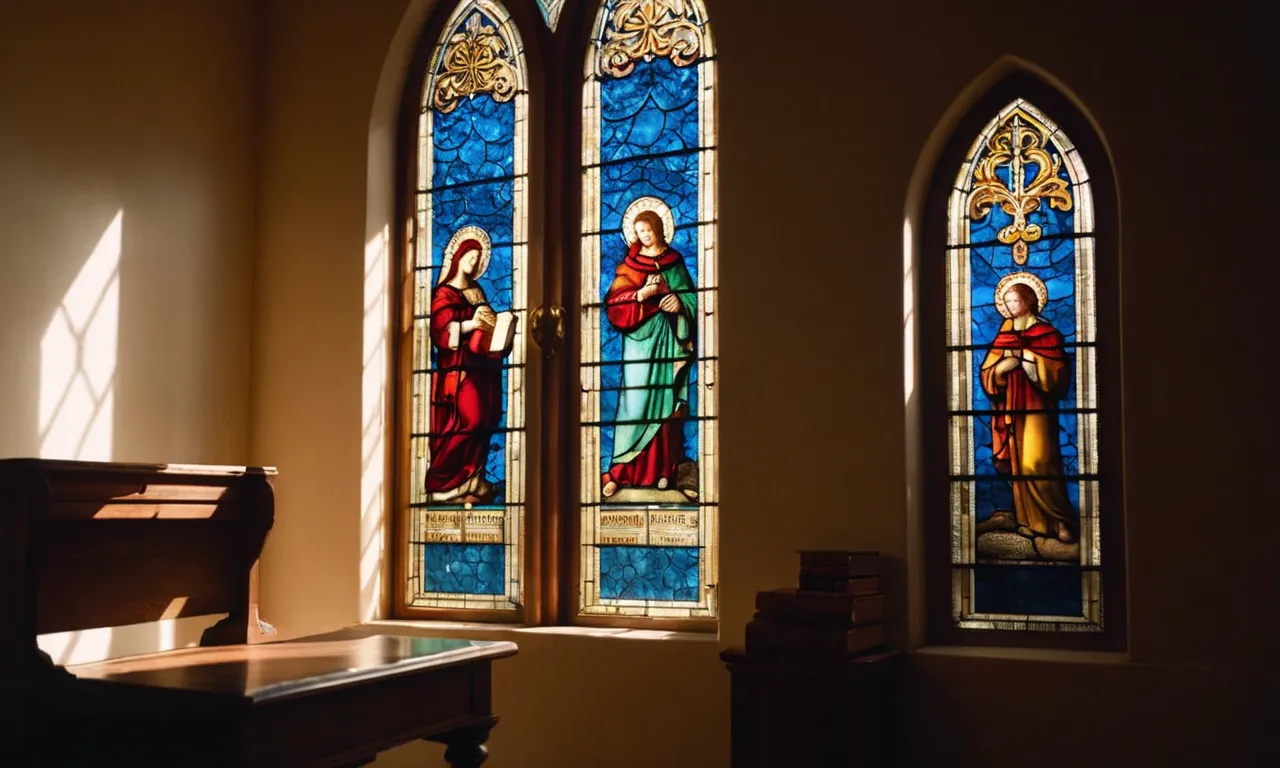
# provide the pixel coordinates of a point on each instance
(467, 475)
(551, 11)
(648, 335)
(1024, 485)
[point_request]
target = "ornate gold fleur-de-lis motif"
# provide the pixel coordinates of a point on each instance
(646, 29)
(1019, 143)
(476, 60)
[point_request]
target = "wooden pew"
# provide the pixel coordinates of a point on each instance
(85, 545)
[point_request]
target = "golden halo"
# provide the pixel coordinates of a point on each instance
(648, 203)
(1026, 278)
(466, 233)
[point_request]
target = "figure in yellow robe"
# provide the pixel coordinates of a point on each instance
(1025, 374)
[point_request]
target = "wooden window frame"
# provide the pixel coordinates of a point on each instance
(554, 62)
(931, 342)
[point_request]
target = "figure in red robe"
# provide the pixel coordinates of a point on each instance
(466, 388)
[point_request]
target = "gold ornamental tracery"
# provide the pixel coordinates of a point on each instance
(1019, 143)
(649, 29)
(476, 60)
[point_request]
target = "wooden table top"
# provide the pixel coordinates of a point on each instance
(270, 671)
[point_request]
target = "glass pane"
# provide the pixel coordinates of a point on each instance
(1027, 590)
(1021, 390)
(467, 492)
(649, 573)
(551, 12)
(648, 294)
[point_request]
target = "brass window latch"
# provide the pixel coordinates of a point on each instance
(547, 327)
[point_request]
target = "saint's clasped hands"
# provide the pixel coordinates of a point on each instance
(653, 285)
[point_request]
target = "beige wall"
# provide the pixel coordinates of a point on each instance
(166, 98)
(141, 111)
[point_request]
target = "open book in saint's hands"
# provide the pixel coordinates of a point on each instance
(493, 343)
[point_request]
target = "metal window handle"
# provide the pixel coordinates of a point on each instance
(548, 328)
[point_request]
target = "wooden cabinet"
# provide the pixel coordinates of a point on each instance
(814, 710)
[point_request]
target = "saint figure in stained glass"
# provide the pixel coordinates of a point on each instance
(470, 258)
(652, 303)
(1025, 374)
(470, 340)
(648, 345)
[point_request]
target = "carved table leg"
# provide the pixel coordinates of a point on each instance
(464, 748)
(466, 755)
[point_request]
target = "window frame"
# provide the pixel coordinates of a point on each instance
(931, 342)
(554, 62)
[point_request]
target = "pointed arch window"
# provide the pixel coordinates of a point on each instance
(572, 479)
(1024, 502)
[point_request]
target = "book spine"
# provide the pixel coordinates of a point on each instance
(829, 607)
(863, 562)
(846, 570)
(775, 603)
(775, 637)
(859, 609)
(853, 586)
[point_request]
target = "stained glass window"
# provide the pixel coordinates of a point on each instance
(551, 11)
(467, 475)
(1026, 548)
(648, 292)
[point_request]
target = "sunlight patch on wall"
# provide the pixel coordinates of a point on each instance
(78, 358)
(373, 426)
(86, 646)
(77, 387)
(908, 315)
(80, 647)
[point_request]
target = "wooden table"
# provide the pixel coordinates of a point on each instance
(807, 710)
(328, 700)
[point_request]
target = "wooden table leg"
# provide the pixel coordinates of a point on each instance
(464, 748)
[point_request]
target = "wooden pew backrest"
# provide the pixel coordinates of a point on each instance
(90, 544)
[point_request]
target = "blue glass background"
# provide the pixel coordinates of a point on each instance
(651, 111)
(1048, 590)
(649, 573)
(475, 143)
(465, 569)
(1053, 261)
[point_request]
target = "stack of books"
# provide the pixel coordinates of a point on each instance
(837, 609)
